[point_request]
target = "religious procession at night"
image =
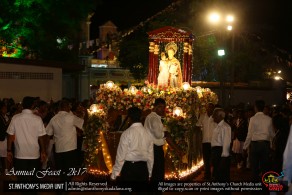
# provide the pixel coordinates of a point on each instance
(158, 106)
(183, 105)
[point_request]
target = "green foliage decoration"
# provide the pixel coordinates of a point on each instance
(91, 141)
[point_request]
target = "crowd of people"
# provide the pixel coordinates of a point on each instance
(37, 134)
(254, 138)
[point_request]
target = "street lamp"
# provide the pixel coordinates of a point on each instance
(215, 18)
(229, 18)
(229, 27)
(224, 23)
(221, 52)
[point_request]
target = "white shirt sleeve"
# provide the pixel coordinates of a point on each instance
(11, 128)
(249, 135)
(42, 130)
(150, 160)
(271, 132)
(156, 128)
(226, 137)
(121, 154)
(78, 122)
(49, 128)
(287, 159)
(200, 121)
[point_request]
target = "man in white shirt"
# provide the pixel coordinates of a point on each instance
(259, 137)
(287, 161)
(134, 159)
(29, 140)
(154, 125)
(221, 140)
(207, 125)
(63, 128)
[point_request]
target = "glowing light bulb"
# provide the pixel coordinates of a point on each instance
(110, 84)
(144, 89)
(229, 18)
(94, 108)
(214, 17)
(177, 111)
(229, 27)
(278, 78)
(186, 86)
(133, 89)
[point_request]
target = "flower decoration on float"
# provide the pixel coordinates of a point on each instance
(183, 108)
(92, 142)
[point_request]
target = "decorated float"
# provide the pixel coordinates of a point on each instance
(184, 105)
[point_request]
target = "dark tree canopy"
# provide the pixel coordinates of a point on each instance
(134, 55)
(42, 29)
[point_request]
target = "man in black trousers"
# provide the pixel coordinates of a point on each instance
(157, 130)
(221, 140)
(134, 159)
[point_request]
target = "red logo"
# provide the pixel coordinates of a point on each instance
(271, 181)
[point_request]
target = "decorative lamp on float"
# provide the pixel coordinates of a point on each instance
(289, 96)
(95, 108)
(207, 89)
(177, 111)
(199, 91)
(133, 89)
(186, 86)
(144, 89)
(150, 91)
(110, 84)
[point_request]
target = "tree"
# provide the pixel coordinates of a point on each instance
(134, 54)
(42, 29)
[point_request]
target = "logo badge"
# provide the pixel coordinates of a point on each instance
(272, 181)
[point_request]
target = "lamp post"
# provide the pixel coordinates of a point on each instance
(224, 23)
(230, 19)
(221, 53)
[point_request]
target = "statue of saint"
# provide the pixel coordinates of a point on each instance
(174, 68)
(163, 71)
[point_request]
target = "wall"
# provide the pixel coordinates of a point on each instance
(17, 81)
(271, 91)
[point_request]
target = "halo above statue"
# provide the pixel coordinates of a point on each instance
(171, 45)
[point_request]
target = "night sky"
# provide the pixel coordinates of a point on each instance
(270, 19)
(273, 19)
(126, 13)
